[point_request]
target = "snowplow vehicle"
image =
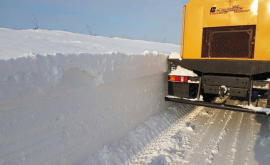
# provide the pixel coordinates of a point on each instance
(226, 44)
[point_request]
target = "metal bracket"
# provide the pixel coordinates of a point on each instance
(250, 93)
(199, 89)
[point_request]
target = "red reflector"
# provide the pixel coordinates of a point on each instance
(186, 79)
(178, 78)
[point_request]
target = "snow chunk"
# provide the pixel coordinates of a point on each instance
(182, 72)
(175, 56)
(190, 129)
(200, 99)
(150, 53)
(258, 109)
(225, 88)
(174, 97)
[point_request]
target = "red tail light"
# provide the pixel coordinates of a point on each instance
(178, 78)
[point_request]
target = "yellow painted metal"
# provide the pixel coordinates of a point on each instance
(183, 29)
(262, 44)
(197, 17)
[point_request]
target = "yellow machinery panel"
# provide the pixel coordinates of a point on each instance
(200, 14)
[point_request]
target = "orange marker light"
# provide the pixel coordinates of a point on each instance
(172, 78)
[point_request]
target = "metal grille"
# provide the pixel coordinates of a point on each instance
(229, 42)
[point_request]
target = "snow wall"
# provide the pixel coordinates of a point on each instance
(59, 109)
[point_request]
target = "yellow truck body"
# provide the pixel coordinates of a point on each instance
(227, 44)
(226, 13)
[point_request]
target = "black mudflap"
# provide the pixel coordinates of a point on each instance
(183, 90)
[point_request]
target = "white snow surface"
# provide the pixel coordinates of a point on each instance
(258, 109)
(175, 55)
(185, 134)
(16, 43)
(74, 93)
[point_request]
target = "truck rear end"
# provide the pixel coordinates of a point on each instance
(226, 44)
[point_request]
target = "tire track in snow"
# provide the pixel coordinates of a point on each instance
(224, 155)
(200, 151)
(210, 139)
(202, 133)
(220, 137)
(190, 140)
(250, 140)
(233, 150)
(152, 149)
(125, 149)
(215, 147)
(243, 141)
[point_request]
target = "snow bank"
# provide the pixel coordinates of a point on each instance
(61, 108)
(58, 108)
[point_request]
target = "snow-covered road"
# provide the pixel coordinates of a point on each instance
(192, 135)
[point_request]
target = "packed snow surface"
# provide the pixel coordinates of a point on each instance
(185, 134)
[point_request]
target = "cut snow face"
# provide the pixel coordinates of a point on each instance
(56, 52)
